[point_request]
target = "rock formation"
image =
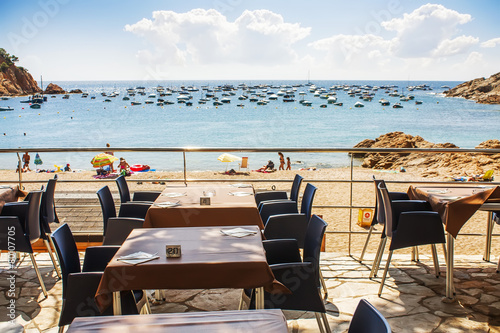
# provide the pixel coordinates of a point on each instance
(485, 91)
(15, 80)
(76, 91)
(439, 164)
(53, 89)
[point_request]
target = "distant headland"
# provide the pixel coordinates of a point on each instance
(481, 90)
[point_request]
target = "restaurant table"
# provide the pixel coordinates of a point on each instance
(230, 206)
(455, 205)
(262, 321)
(209, 259)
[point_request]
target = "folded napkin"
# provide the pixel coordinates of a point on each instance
(240, 194)
(138, 257)
(174, 194)
(238, 232)
(241, 185)
(166, 204)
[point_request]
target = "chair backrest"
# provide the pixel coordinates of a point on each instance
(48, 208)
(123, 189)
(307, 200)
(287, 226)
(69, 259)
(367, 319)
(107, 206)
(32, 222)
(379, 208)
(312, 242)
(119, 228)
(244, 162)
(387, 206)
(294, 192)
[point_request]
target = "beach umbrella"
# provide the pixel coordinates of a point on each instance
(228, 158)
(38, 160)
(103, 159)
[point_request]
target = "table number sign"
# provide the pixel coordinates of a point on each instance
(204, 201)
(173, 251)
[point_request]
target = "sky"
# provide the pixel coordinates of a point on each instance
(74, 40)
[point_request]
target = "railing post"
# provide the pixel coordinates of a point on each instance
(20, 171)
(184, 155)
(350, 201)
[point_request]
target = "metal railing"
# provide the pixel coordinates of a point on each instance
(185, 179)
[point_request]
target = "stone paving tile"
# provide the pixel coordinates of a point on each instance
(412, 300)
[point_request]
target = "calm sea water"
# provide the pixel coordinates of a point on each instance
(86, 122)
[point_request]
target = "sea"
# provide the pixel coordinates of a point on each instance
(94, 122)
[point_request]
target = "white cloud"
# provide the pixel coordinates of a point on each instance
(429, 31)
(206, 37)
(491, 43)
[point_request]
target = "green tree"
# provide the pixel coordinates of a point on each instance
(4, 66)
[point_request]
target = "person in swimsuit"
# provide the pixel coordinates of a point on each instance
(288, 164)
(282, 161)
(26, 160)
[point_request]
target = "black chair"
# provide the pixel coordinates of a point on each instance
(80, 285)
(301, 277)
(367, 319)
(378, 216)
(281, 195)
(148, 196)
(415, 205)
(20, 227)
(270, 208)
(406, 228)
(127, 209)
(119, 228)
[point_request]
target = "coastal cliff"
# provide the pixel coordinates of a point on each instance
(15, 80)
(481, 90)
(445, 164)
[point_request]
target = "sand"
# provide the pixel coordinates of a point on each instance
(331, 192)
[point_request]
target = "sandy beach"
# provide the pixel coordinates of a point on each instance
(330, 192)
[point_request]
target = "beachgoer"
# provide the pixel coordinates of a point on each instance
(268, 167)
(26, 160)
(67, 168)
(112, 168)
(282, 161)
(124, 167)
(288, 164)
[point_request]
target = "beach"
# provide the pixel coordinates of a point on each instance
(329, 193)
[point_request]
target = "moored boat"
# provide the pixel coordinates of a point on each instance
(359, 105)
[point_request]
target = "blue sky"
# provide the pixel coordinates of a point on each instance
(240, 39)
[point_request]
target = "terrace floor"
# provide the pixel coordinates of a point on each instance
(411, 300)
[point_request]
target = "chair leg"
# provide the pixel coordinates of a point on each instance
(385, 273)
(323, 284)
(242, 300)
(320, 324)
(366, 244)
(378, 257)
(414, 254)
(51, 254)
(325, 321)
(444, 252)
(436, 260)
(498, 267)
(61, 329)
(35, 266)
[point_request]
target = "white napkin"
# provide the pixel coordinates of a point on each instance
(241, 185)
(166, 204)
(138, 258)
(238, 232)
(173, 194)
(240, 194)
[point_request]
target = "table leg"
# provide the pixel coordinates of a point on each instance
(259, 298)
(489, 232)
(450, 242)
(117, 303)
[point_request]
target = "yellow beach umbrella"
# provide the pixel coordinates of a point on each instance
(228, 158)
(102, 159)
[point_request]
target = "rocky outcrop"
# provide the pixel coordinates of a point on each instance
(76, 91)
(54, 89)
(445, 164)
(485, 91)
(15, 80)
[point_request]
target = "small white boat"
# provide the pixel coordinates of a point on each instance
(6, 108)
(359, 105)
(332, 99)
